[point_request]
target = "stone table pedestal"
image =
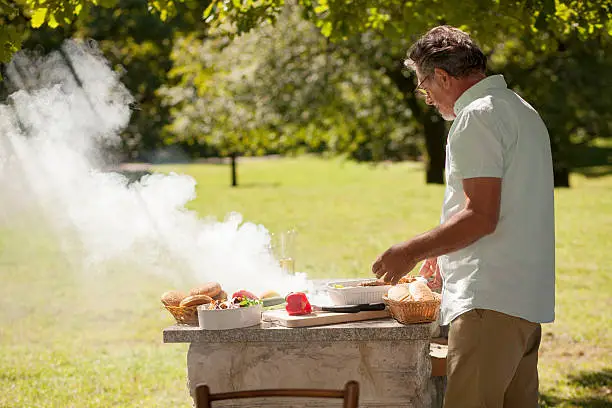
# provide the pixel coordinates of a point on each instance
(389, 360)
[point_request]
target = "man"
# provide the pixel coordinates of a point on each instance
(495, 245)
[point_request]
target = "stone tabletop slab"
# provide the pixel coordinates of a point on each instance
(380, 329)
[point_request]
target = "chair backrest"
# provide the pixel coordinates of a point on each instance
(349, 395)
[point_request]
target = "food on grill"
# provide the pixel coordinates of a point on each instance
(399, 293)
(269, 294)
(172, 298)
(420, 291)
(407, 279)
(211, 289)
(195, 300)
(377, 282)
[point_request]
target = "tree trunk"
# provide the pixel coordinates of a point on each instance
(561, 170)
(435, 130)
(234, 177)
(561, 177)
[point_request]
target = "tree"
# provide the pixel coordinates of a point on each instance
(566, 86)
(209, 101)
(531, 24)
(551, 33)
(18, 17)
(137, 43)
(282, 88)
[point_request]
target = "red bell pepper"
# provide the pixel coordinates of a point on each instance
(297, 304)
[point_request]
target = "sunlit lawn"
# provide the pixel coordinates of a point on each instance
(74, 338)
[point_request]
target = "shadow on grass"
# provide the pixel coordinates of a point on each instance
(592, 161)
(598, 384)
(259, 185)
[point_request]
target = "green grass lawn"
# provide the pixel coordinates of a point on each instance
(81, 337)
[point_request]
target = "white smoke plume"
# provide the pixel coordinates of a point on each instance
(66, 107)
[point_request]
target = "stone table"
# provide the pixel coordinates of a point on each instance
(389, 360)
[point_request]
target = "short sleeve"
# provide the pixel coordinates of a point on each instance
(476, 146)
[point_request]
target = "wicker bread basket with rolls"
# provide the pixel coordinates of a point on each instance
(412, 311)
(184, 314)
(183, 308)
(413, 302)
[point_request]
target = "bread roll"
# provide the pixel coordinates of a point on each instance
(407, 279)
(399, 293)
(195, 300)
(269, 294)
(211, 289)
(172, 298)
(221, 297)
(420, 291)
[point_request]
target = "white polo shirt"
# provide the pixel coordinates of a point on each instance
(512, 270)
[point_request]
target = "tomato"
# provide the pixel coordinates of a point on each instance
(244, 293)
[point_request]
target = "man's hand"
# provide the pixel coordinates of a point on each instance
(394, 263)
(430, 267)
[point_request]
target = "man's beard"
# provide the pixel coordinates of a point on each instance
(448, 118)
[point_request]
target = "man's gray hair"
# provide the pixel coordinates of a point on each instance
(447, 48)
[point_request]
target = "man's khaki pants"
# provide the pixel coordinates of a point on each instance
(492, 361)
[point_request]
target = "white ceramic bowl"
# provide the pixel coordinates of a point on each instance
(351, 294)
(223, 319)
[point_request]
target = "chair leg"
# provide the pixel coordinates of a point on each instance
(351, 394)
(202, 393)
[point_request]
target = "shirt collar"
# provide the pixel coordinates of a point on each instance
(478, 90)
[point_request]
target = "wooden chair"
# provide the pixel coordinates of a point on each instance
(349, 395)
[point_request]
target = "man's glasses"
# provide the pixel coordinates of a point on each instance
(421, 91)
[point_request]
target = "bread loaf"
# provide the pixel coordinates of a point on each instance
(172, 298)
(211, 289)
(399, 293)
(195, 300)
(420, 291)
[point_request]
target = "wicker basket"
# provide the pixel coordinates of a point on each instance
(414, 312)
(184, 314)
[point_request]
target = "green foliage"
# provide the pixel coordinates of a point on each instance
(544, 37)
(341, 19)
(137, 44)
(17, 17)
(566, 85)
(337, 88)
(210, 103)
(283, 87)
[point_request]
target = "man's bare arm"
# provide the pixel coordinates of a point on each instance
(478, 219)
